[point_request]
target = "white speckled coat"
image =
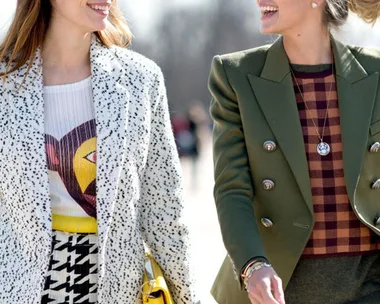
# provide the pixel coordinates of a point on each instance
(139, 186)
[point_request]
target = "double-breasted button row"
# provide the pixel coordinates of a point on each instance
(268, 184)
(374, 148)
(269, 146)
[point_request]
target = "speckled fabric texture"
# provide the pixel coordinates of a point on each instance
(139, 183)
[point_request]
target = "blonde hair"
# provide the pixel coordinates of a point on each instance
(28, 30)
(336, 12)
(368, 10)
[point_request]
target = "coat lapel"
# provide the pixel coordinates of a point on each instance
(275, 94)
(111, 100)
(357, 94)
(26, 108)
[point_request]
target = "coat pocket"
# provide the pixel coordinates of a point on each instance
(375, 128)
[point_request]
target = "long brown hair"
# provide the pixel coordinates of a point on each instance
(28, 30)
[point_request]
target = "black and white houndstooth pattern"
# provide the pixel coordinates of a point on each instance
(139, 182)
(73, 270)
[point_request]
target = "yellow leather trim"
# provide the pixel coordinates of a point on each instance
(74, 224)
(154, 289)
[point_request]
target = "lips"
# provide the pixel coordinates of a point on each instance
(268, 9)
(102, 8)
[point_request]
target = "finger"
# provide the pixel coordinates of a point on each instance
(253, 300)
(278, 291)
(267, 296)
(254, 295)
(254, 292)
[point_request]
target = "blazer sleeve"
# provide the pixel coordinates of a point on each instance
(163, 226)
(233, 189)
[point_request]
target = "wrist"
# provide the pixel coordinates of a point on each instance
(248, 266)
(252, 268)
(250, 263)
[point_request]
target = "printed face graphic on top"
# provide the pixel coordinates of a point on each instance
(74, 158)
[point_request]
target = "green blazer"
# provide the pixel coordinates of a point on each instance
(254, 101)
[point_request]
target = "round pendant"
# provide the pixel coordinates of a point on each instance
(323, 148)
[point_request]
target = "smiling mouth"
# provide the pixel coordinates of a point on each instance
(101, 9)
(268, 10)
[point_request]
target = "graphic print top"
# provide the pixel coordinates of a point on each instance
(70, 139)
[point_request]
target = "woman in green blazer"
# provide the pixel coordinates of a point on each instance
(297, 160)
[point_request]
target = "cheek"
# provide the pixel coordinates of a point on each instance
(79, 14)
(292, 15)
(70, 8)
(74, 12)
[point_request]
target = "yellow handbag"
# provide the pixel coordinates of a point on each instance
(154, 288)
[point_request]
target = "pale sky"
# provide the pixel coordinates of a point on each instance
(142, 12)
(6, 13)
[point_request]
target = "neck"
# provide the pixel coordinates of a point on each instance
(65, 47)
(309, 48)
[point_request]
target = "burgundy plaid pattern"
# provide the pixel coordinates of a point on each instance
(337, 230)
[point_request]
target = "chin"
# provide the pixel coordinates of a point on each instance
(99, 27)
(269, 30)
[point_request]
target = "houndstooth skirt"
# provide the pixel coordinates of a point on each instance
(73, 270)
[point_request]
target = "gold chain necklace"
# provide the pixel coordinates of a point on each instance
(323, 148)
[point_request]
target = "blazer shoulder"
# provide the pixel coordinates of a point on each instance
(137, 63)
(142, 72)
(368, 57)
(246, 61)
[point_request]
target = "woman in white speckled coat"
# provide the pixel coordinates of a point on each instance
(89, 171)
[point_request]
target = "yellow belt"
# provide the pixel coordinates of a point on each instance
(74, 224)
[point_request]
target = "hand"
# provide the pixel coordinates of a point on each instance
(265, 287)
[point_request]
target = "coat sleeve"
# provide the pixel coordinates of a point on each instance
(163, 226)
(233, 189)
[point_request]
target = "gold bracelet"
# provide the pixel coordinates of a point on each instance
(251, 269)
(244, 274)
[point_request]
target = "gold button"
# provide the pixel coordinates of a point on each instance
(270, 146)
(377, 221)
(376, 185)
(266, 222)
(374, 147)
(268, 184)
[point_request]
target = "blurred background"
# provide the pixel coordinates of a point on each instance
(182, 36)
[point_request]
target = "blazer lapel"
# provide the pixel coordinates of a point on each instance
(275, 94)
(357, 93)
(111, 100)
